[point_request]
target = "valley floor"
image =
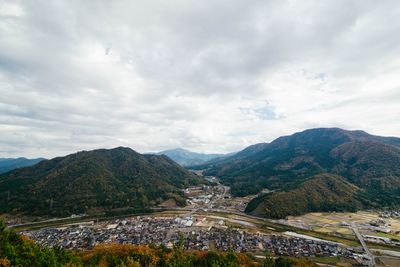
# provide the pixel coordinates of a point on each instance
(215, 221)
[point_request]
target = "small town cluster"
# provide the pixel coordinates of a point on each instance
(167, 231)
(393, 213)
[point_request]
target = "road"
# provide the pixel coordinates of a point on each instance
(74, 217)
(214, 200)
(363, 244)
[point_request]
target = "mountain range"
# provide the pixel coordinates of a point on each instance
(304, 167)
(323, 169)
(188, 158)
(97, 179)
(8, 164)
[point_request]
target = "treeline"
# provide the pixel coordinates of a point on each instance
(17, 250)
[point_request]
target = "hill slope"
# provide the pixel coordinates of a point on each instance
(323, 192)
(188, 158)
(370, 162)
(101, 178)
(9, 164)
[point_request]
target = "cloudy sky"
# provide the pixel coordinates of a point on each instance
(210, 76)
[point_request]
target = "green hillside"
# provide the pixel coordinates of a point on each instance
(323, 192)
(105, 179)
(369, 162)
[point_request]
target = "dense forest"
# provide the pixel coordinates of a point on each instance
(99, 179)
(371, 164)
(323, 192)
(16, 250)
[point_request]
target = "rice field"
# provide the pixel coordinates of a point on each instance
(333, 230)
(337, 219)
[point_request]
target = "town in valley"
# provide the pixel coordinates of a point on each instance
(213, 220)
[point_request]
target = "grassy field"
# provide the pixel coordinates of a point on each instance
(332, 261)
(332, 230)
(392, 236)
(325, 219)
(388, 261)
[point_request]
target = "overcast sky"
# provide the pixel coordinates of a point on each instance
(210, 76)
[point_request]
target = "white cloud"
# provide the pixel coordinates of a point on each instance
(210, 76)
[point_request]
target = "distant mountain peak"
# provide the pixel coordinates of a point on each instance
(9, 164)
(180, 149)
(186, 157)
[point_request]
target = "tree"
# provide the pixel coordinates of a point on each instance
(269, 261)
(178, 257)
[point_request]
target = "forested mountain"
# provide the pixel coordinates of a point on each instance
(101, 178)
(8, 164)
(371, 163)
(322, 192)
(188, 158)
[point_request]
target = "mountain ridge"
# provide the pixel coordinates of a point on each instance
(9, 164)
(322, 192)
(189, 158)
(102, 178)
(367, 161)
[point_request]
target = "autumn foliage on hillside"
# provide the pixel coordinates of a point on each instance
(131, 255)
